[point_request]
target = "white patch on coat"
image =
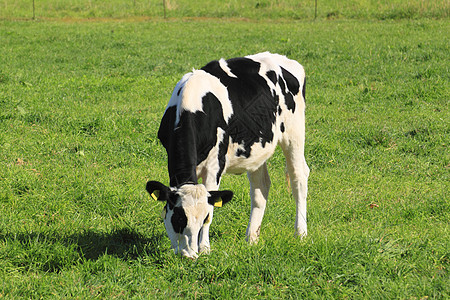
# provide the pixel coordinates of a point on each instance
(258, 154)
(195, 86)
(223, 64)
(192, 194)
(209, 168)
(175, 99)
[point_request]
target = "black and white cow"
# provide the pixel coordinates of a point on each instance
(229, 116)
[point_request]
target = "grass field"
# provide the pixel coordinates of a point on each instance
(80, 105)
(253, 9)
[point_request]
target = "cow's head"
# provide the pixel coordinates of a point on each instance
(189, 208)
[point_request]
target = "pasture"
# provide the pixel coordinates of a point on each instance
(80, 105)
(253, 9)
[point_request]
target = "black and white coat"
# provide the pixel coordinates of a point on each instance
(228, 117)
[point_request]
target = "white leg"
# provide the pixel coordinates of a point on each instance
(298, 173)
(209, 180)
(259, 191)
(203, 245)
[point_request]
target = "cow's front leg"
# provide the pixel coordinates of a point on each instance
(203, 238)
(259, 191)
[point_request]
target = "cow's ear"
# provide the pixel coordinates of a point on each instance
(219, 198)
(158, 191)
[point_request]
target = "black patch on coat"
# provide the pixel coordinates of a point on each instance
(282, 127)
(254, 106)
(223, 148)
(240, 152)
(272, 76)
(173, 197)
(206, 124)
(288, 98)
(180, 146)
(290, 103)
(292, 83)
(178, 220)
(279, 110)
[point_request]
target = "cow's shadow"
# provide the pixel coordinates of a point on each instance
(50, 251)
(124, 243)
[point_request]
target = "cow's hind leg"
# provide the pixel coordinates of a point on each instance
(259, 191)
(298, 173)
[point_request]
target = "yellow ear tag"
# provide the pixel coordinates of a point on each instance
(155, 195)
(218, 203)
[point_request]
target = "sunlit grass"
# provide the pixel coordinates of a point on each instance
(80, 105)
(262, 9)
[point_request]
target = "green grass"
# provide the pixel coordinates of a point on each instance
(80, 105)
(254, 9)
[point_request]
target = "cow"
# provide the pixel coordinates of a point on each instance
(228, 117)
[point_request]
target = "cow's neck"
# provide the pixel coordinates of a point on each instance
(181, 179)
(182, 153)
